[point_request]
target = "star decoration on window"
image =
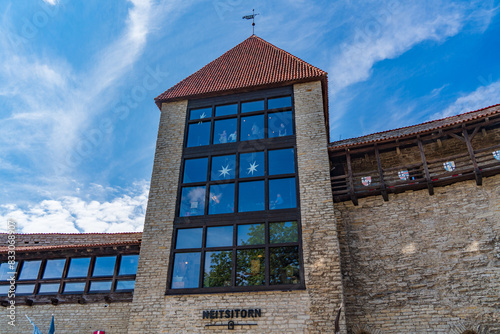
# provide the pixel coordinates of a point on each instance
(224, 171)
(252, 168)
(203, 115)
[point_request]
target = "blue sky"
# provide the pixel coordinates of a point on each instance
(78, 122)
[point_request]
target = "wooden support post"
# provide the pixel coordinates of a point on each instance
(383, 188)
(354, 199)
(477, 171)
(426, 168)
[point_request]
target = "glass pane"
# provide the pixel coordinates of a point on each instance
(252, 164)
(228, 109)
(6, 270)
(218, 268)
(252, 106)
(282, 194)
(30, 269)
(281, 161)
(189, 238)
(223, 167)
(284, 263)
(192, 201)
(4, 289)
(251, 234)
(100, 286)
(78, 267)
(200, 113)
(221, 199)
(220, 236)
(225, 131)
(186, 271)
(198, 134)
(124, 285)
(128, 265)
(251, 196)
(74, 287)
(24, 289)
(49, 288)
(280, 102)
(250, 267)
(195, 170)
(54, 268)
(280, 124)
(283, 232)
(252, 127)
(104, 266)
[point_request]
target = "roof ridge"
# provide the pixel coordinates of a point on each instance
(339, 142)
(55, 247)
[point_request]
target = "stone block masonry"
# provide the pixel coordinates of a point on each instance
(423, 264)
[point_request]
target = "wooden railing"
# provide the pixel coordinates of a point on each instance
(472, 164)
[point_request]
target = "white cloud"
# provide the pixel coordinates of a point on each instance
(482, 97)
(70, 214)
(51, 2)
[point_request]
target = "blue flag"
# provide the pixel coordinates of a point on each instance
(52, 328)
(35, 329)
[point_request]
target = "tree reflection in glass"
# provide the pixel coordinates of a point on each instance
(251, 234)
(283, 232)
(284, 265)
(218, 269)
(250, 267)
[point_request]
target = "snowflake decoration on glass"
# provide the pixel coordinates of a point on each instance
(224, 171)
(203, 115)
(252, 168)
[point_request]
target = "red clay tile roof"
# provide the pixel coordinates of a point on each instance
(252, 63)
(416, 129)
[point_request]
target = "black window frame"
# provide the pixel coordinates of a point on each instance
(266, 216)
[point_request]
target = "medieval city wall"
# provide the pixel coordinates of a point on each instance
(423, 264)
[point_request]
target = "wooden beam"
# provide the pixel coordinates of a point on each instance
(383, 188)
(456, 136)
(426, 168)
(476, 130)
(477, 171)
(354, 199)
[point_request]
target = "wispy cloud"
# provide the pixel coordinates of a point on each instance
(72, 214)
(483, 96)
(51, 2)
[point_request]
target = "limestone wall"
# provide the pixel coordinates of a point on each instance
(423, 264)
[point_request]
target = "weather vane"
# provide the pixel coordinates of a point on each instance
(252, 17)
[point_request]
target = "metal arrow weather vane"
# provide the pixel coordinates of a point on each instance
(251, 17)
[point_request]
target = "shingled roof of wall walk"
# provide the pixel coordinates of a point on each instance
(251, 65)
(416, 129)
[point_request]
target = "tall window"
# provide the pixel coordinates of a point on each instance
(237, 224)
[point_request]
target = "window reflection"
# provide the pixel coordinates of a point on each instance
(189, 238)
(252, 106)
(284, 265)
(195, 170)
(251, 196)
(280, 102)
(74, 287)
(125, 285)
(51, 288)
(99, 286)
(250, 267)
(104, 266)
(228, 109)
(198, 134)
(128, 265)
(24, 289)
(220, 236)
(251, 234)
(30, 270)
(223, 167)
(78, 267)
(225, 131)
(252, 164)
(218, 269)
(281, 161)
(5, 270)
(186, 272)
(54, 268)
(280, 124)
(4, 290)
(200, 113)
(252, 127)
(282, 194)
(221, 199)
(192, 201)
(283, 232)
